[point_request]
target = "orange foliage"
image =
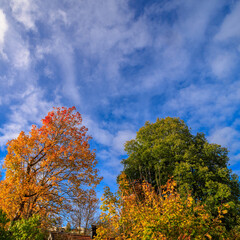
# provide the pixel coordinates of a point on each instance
(48, 167)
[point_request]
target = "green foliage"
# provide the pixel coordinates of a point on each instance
(167, 148)
(27, 229)
(4, 234)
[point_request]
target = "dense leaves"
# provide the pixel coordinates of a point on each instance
(24, 229)
(167, 148)
(48, 168)
(27, 229)
(136, 211)
(4, 234)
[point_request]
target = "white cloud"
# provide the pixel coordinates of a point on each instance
(30, 110)
(109, 157)
(48, 73)
(61, 51)
(106, 33)
(100, 135)
(106, 138)
(21, 57)
(223, 64)
(103, 155)
(224, 136)
(230, 26)
(3, 29)
(194, 18)
(59, 16)
(110, 176)
(227, 137)
(206, 105)
(25, 12)
(83, 47)
(42, 50)
(16, 47)
(121, 138)
(70, 88)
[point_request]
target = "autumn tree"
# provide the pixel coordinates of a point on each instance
(48, 167)
(168, 148)
(136, 211)
(84, 211)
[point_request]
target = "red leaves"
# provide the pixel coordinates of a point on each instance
(40, 164)
(46, 120)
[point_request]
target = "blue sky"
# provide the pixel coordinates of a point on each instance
(121, 63)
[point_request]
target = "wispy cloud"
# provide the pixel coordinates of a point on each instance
(30, 110)
(3, 30)
(25, 12)
(223, 63)
(230, 27)
(225, 136)
(121, 63)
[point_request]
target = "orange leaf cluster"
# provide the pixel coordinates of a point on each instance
(48, 167)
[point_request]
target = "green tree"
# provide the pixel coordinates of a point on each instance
(167, 148)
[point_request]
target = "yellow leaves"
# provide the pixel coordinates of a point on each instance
(208, 236)
(137, 212)
(224, 211)
(189, 201)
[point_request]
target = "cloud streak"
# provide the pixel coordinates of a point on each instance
(121, 63)
(3, 30)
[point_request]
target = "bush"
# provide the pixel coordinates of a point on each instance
(27, 229)
(138, 212)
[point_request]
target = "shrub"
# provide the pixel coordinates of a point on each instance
(138, 212)
(27, 229)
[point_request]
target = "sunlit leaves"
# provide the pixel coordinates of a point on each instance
(47, 167)
(138, 212)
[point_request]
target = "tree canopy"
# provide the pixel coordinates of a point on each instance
(167, 148)
(48, 167)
